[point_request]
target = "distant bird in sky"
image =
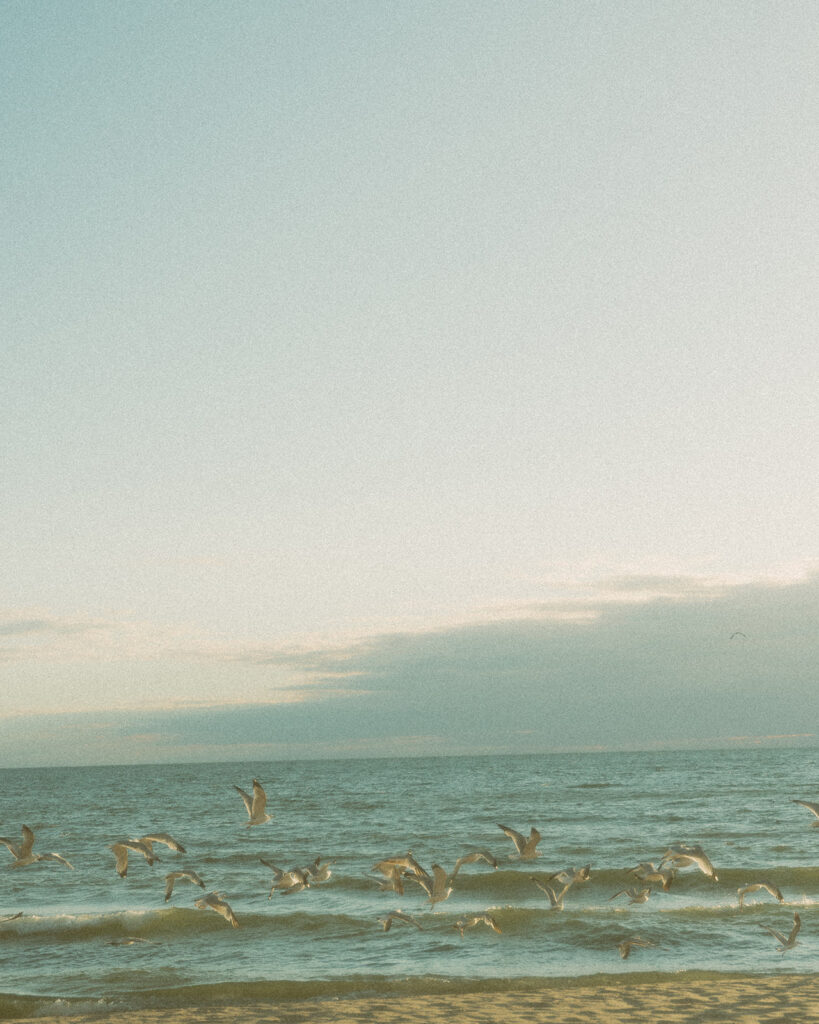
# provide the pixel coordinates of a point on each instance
(255, 804)
(527, 848)
(736, 633)
(813, 808)
(214, 901)
(785, 942)
(745, 890)
(177, 876)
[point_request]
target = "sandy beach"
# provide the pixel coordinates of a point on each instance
(785, 999)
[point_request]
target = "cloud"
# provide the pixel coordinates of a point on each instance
(658, 671)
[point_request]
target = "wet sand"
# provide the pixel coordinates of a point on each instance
(784, 999)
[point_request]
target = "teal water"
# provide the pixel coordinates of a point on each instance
(609, 810)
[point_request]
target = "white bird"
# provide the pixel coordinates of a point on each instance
(627, 945)
(682, 855)
(319, 870)
(526, 847)
(178, 876)
(556, 899)
(165, 839)
(790, 941)
(744, 890)
(572, 875)
(214, 901)
(255, 804)
(287, 882)
(406, 864)
(634, 895)
(122, 848)
(471, 858)
(646, 871)
(438, 887)
(813, 808)
(23, 853)
(468, 922)
(398, 917)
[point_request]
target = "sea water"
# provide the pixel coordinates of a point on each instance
(91, 939)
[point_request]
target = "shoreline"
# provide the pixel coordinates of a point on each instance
(690, 998)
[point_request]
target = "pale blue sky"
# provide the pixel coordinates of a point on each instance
(333, 322)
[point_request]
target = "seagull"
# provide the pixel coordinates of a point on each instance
(627, 945)
(556, 899)
(214, 901)
(635, 895)
(526, 847)
(255, 804)
(23, 854)
(438, 887)
(646, 871)
(394, 880)
(319, 870)
(287, 882)
(471, 858)
(755, 887)
(737, 632)
(177, 876)
(404, 864)
(162, 837)
(682, 855)
(23, 850)
(813, 808)
(398, 917)
(572, 875)
(467, 922)
(790, 941)
(122, 848)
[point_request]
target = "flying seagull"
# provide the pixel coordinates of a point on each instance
(178, 876)
(468, 922)
(438, 887)
(165, 839)
(634, 895)
(398, 917)
(744, 890)
(214, 901)
(682, 855)
(527, 848)
(470, 858)
(122, 849)
(790, 941)
(255, 804)
(287, 882)
(23, 853)
(555, 898)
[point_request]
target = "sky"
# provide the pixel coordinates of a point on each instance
(386, 379)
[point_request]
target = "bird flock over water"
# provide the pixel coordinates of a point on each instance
(438, 883)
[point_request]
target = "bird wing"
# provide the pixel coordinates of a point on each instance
(516, 837)
(259, 800)
(810, 806)
(27, 842)
(122, 858)
(163, 837)
(248, 800)
(776, 933)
